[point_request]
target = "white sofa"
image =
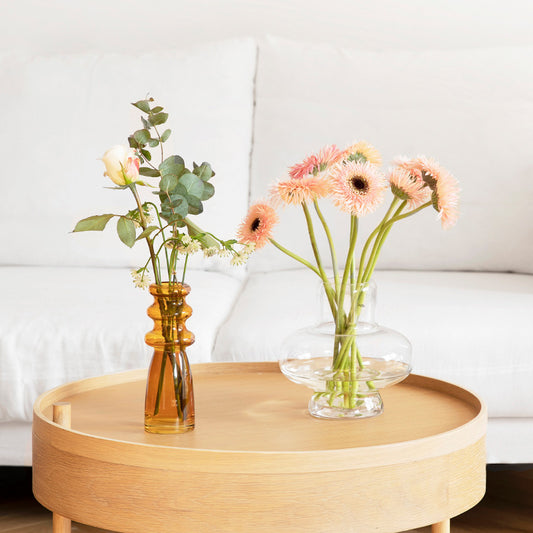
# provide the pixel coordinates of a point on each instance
(457, 87)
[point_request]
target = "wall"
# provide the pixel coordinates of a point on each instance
(131, 25)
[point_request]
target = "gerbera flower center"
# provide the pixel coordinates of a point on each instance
(359, 184)
(255, 224)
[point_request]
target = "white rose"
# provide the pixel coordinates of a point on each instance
(121, 165)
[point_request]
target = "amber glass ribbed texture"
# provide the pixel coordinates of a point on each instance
(169, 404)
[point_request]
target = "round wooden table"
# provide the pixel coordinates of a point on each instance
(257, 461)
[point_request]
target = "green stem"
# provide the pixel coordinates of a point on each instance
(295, 257)
(395, 200)
(342, 292)
(331, 246)
(162, 231)
(378, 243)
(153, 257)
(316, 253)
(385, 230)
(184, 269)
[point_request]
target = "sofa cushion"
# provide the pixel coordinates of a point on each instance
(63, 324)
(63, 112)
(470, 109)
(467, 328)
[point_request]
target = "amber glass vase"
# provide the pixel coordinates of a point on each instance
(169, 403)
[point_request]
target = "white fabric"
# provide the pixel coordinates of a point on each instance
(469, 109)
(15, 444)
(63, 112)
(63, 324)
(472, 329)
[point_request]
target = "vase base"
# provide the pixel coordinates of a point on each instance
(364, 406)
(167, 426)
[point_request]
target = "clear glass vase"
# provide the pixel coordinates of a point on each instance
(169, 402)
(347, 361)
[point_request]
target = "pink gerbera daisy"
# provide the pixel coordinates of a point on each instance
(408, 187)
(258, 224)
(316, 163)
(298, 191)
(362, 152)
(445, 199)
(357, 188)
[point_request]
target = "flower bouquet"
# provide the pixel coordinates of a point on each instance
(346, 378)
(171, 237)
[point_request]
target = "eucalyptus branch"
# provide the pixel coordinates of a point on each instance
(153, 256)
(160, 143)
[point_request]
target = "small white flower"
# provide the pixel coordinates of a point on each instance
(140, 279)
(224, 252)
(211, 251)
(238, 260)
(249, 247)
(193, 247)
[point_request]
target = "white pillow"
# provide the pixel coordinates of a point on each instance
(61, 113)
(469, 109)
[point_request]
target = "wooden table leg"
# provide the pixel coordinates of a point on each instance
(61, 416)
(441, 527)
(60, 524)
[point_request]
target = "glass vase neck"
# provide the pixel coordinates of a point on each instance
(353, 305)
(170, 289)
(169, 313)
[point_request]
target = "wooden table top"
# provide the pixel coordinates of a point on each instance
(247, 408)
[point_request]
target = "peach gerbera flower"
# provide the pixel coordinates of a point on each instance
(357, 188)
(408, 187)
(362, 152)
(298, 191)
(423, 168)
(445, 199)
(258, 224)
(316, 163)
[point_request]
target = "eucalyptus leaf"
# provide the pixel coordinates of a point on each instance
(126, 231)
(147, 232)
(168, 182)
(143, 105)
(172, 165)
(132, 142)
(195, 210)
(150, 172)
(146, 154)
(174, 207)
(142, 136)
(153, 142)
(165, 135)
(204, 171)
(157, 109)
(193, 185)
(159, 118)
(94, 223)
(208, 192)
(146, 124)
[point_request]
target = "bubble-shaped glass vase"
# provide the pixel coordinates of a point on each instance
(346, 364)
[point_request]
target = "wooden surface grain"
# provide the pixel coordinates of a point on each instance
(507, 506)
